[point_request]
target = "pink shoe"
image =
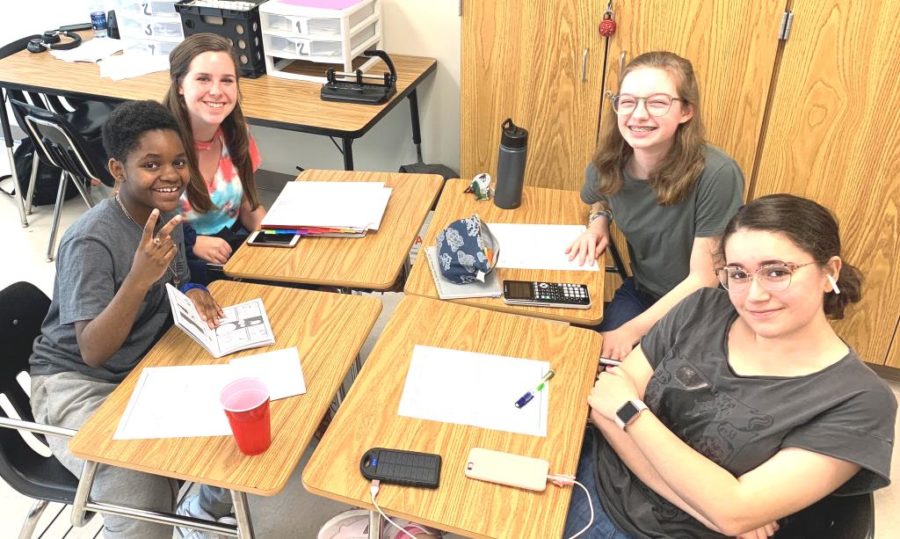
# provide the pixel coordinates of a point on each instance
(411, 528)
(352, 524)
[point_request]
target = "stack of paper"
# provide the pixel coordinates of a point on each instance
(469, 388)
(343, 209)
(175, 402)
(537, 246)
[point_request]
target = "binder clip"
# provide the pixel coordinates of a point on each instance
(356, 90)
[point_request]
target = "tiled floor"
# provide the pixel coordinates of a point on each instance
(294, 512)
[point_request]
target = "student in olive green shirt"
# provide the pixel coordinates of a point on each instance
(669, 192)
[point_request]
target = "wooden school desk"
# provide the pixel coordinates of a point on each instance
(328, 331)
(539, 206)
(370, 263)
(267, 101)
(368, 418)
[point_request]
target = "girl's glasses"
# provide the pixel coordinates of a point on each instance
(773, 277)
(656, 104)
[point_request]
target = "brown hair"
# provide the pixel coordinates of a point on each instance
(679, 170)
(810, 227)
(234, 127)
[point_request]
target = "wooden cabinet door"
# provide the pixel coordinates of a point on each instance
(732, 46)
(538, 62)
(832, 136)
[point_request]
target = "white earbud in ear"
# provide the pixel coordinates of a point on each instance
(834, 285)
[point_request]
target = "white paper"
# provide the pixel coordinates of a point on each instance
(356, 205)
(127, 66)
(481, 390)
(280, 370)
(89, 51)
(177, 402)
(243, 326)
(537, 246)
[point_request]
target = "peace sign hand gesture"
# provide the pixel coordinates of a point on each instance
(154, 253)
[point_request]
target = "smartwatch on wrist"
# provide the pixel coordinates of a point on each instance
(628, 412)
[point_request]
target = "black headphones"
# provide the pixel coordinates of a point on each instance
(51, 40)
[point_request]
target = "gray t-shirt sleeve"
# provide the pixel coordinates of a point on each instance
(719, 194)
(661, 337)
(87, 284)
(589, 191)
(860, 431)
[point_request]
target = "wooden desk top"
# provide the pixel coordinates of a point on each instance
(328, 330)
(268, 101)
(368, 418)
(372, 263)
(539, 206)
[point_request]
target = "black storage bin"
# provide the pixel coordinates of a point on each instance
(238, 23)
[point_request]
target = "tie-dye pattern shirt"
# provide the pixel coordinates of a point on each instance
(226, 192)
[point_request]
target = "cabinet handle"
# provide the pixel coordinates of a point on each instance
(584, 58)
(622, 64)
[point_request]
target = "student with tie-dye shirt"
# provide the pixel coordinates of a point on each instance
(221, 204)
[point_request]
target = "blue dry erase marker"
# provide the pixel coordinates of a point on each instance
(526, 398)
(279, 231)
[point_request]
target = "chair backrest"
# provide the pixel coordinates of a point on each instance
(55, 140)
(23, 308)
(833, 517)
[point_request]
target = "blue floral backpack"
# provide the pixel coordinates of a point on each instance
(467, 251)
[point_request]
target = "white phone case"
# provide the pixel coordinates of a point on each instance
(507, 469)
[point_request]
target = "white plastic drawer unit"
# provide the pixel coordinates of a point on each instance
(166, 27)
(332, 32)
(135, 7)
(293, 18)
(148, 46)
(322, 48)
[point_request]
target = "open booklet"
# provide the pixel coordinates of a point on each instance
(244, 325)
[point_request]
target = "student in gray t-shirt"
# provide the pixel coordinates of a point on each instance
(110, 305)
(668, 192)
(755, 407)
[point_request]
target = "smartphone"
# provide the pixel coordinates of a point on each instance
(399, 467)
(539, 294)
(507, 469)
(261, 238)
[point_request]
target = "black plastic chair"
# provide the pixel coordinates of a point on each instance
(833, 517)
(57, 144)
(22, 310)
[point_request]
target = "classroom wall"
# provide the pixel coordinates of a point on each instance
(416, 27)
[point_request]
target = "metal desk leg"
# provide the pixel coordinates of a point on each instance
(242, 514)
(83, 492)
(8, 142)
(347, 144)
(375, 524)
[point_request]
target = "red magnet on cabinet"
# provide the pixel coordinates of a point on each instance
(607, 25)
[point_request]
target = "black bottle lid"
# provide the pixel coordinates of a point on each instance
(513, 135)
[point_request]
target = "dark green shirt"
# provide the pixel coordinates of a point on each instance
(660, 238)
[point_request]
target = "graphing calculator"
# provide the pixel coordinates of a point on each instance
(400, 467)
(538, 294)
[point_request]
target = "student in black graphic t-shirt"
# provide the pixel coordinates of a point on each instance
(756, 408)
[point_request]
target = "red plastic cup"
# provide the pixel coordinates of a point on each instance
(246, 403)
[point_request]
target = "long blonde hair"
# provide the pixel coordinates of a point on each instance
(234, 127)
(675, 175)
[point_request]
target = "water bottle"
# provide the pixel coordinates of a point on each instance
(98, 22)
(511, 166)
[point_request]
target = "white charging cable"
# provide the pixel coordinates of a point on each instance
(561, 480)
(373, 490)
